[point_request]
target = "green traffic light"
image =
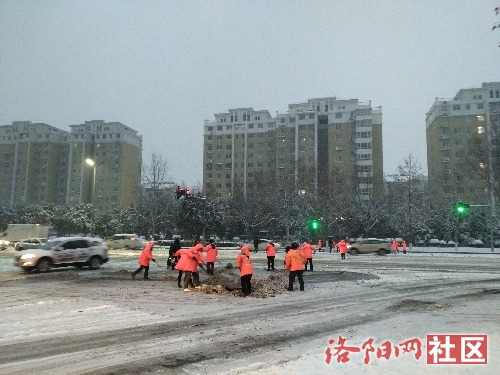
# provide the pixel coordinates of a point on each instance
(461, 208)
(314, 224)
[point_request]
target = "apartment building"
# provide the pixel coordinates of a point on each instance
(462, 145)
(33, 164)
(41, 164)
(316, 145)
(116, 152)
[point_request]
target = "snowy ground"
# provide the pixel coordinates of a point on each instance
(102, 322)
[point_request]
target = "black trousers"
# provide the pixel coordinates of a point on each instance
(291, 279)
(246, 285)
(210, 268)
(146, 271)
(310, 261)
(270, 263)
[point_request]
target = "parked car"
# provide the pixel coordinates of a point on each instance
(370, 245)
(262, 244)
(63, 252)
(125, 241)
(30, 243)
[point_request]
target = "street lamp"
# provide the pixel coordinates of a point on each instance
(92, 163)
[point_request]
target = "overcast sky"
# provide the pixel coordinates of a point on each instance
(163, 67)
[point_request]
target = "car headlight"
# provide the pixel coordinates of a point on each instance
(28, 256)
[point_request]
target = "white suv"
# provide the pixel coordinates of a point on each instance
(63, 252)
(125, 241)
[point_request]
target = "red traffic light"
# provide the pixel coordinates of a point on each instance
(188, 193)
(180, 192)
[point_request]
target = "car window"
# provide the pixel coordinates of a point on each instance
(70, 245)
(51, 244)
(82, 244)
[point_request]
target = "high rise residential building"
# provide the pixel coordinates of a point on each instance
(116, 151)
(33, 164)
(315, 145)
(462, 145)
(40, 164)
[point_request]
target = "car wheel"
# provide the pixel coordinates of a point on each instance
(381, 252)
(126, 247)
(354, 252)
(95, 263)
(20, 248)
(44, 265)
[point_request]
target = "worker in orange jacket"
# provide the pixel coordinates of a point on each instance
(246, 269)
(394, 247)
(342, 245)
(320, 245)
(194, 260)
(144, 258)
(211, 257)
(308, 253)
(403, 244)
(271, 254)
(181, 266)
(294, 261)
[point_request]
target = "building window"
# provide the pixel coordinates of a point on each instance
(219, 127)
(480, 106)
(338, 126)
(456, 107)
(338, 115)
(338, 137)
(338, 158)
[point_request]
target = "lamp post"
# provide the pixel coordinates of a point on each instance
(92, 163)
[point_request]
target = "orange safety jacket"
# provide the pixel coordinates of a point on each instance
(270, 250)
(211, 253)
(183, 256)
(295, 260)
(146, 254)
(307, 249)
(244, 264)
(342, 245)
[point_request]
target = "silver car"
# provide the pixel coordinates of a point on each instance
(30, 243)
(63, 252)
(370, 245)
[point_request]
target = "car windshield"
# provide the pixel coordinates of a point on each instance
(51, 244)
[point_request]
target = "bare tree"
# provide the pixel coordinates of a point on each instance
(406, 195)
(157, 197)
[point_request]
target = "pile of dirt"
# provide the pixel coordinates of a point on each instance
(225, 281)
(415, 305)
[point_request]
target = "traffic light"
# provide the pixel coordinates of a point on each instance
(314, 225)
(188, 193)
(180, 192)
(461, 208)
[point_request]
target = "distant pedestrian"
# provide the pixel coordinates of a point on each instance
(212, 252)
(144, 259)
(330, 244)
(256, 245)
(308, 253)
(294, 261)
(342, 246)
(320, 245)
(271, 254)
(246, 270)
(403, 244)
